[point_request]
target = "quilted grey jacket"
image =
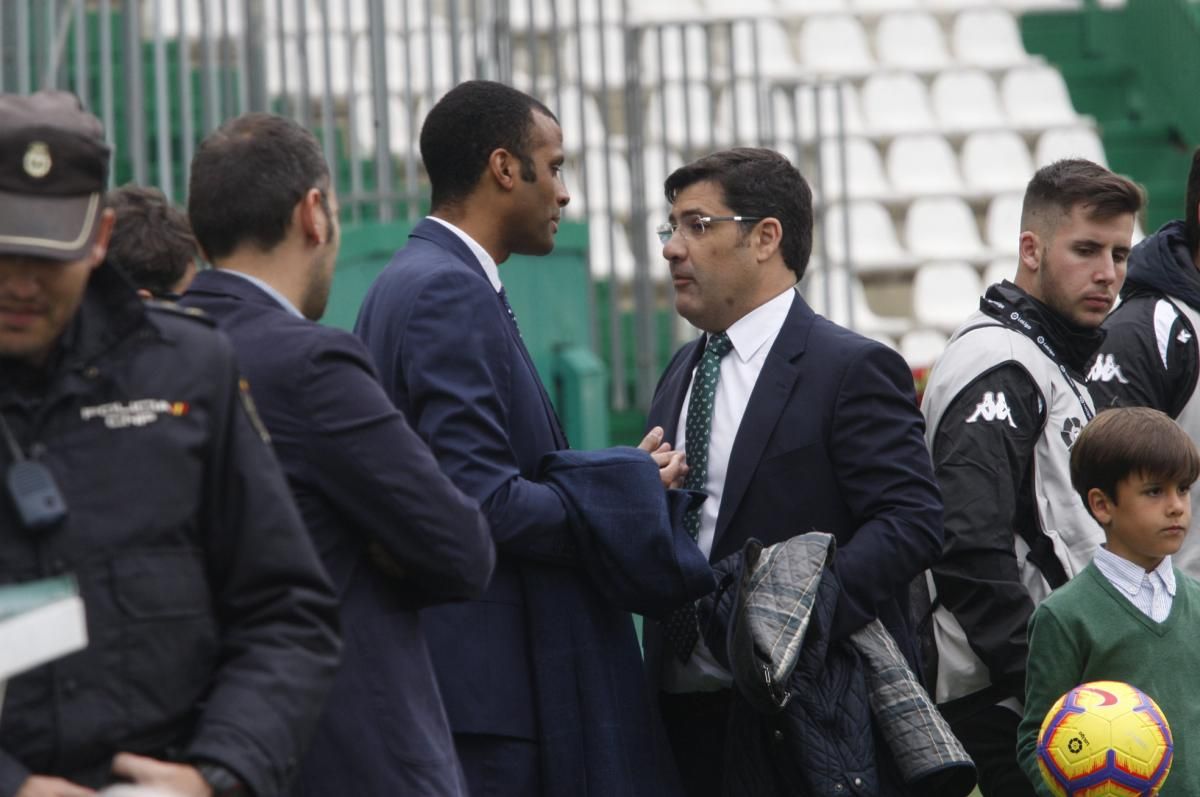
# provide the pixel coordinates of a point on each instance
(813, 717)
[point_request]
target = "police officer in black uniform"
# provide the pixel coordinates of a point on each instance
(132, 459)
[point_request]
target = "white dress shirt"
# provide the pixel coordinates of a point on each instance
(489, 265)
(752, 336)
(1152, 593)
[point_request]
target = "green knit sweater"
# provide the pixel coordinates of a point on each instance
(1088, 631)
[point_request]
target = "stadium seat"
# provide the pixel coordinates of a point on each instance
(896, 103)
(687, 124)
(666, 11)
(995, 162)
(846, 292)
(608, 71)
(873, 243)
(864, 170)
(866, 7)
(1003, 225)
(921, 347)
(911, 40)
(1036, 97)
(835, 45)
(1069, 142)
(942, 228)
(791, 9)
(966, 100)
(1000, 269)
(674, 53)
(923, 164)
(823, 101)
(577, 126)
(766, 41)
(519, 18)
(987, 38)
(944, 294)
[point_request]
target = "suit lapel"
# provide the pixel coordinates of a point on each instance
(771, 393)
(442, 236)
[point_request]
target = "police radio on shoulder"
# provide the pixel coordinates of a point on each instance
(32, 488)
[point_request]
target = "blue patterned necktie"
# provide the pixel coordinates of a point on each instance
(508, 309)
(680, 627)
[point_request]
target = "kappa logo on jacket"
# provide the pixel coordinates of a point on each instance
(992, 407)
(1106, 369)
(141, 412)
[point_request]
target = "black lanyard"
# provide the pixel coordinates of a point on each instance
(1012, 318)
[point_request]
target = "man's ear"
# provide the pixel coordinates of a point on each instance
(767, 238)
(1030, 249)
(311, 218)
(104, 228)
(1101, 506)
(504, 168)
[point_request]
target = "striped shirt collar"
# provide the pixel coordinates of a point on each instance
(1131, 579)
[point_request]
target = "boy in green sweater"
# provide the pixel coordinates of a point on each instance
(1129, 616)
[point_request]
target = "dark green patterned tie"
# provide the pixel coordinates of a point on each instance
(680, 627)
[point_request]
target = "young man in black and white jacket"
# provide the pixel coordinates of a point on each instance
(1003, 405)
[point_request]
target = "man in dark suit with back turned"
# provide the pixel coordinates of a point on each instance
(789, 422)
(443, 336)
(393, 532)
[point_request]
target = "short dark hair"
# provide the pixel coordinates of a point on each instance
(466, 126)
(1123, 441)
(757, 182)
(1192, 205)
(247, 176)
(152, 242)
(1061, 186)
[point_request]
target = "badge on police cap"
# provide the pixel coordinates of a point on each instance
(37, 160)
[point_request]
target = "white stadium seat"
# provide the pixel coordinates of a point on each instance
(923, 164)
(911, 40)
(921, 347)
(835, 45)
(966, 100)
(825, 99)
(685, 122)
(1069, 142)
(988, 38)
(846, 293)
(944, 294)
(942, 228)
(1004, 225)
(1000, 269)
(666, 11)
(1036, 97)
(873, 242)
(896, 102)
(768, 41)
(680, 50)
(864, 170)
(995, 162)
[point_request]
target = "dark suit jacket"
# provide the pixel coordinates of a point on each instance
(454, 362)
(831, 441)
(362, 479)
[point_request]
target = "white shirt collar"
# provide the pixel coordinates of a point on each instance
(1128, 577)
(761, 324)
(266, 288)
(481, 254)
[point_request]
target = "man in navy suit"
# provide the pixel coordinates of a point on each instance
(790, 424)
(393, 532)
(442, 333)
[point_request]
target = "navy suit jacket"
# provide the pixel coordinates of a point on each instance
(831, 440)
(393, 532)
(454, 363)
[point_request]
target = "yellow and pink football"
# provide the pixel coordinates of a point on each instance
(1104, 739)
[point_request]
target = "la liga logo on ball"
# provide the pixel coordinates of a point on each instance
(1105, 739)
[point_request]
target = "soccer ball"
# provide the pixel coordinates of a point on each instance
(1104, 739)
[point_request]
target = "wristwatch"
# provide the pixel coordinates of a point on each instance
(222, 781)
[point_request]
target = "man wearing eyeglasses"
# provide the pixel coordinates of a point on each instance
(790, 424)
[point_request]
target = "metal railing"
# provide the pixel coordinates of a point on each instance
(636, 99)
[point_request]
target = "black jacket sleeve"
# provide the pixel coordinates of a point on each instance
(1148, 359)
(276, 609)
(983, 458)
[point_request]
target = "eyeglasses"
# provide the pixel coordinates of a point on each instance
(693, 227)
